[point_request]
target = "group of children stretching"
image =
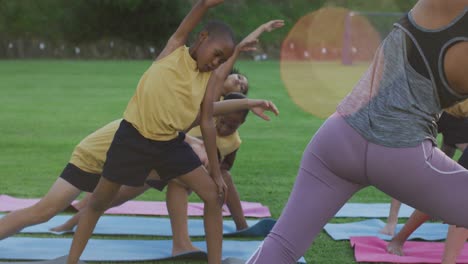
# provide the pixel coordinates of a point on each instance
(169, 136)
(180, 130)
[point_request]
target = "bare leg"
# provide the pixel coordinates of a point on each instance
(176, 200)
(73, 221)
(59, 197)
(392, 220)
(127, 193)
(201, 183)
(417, 218)
(124, 194)
(69, 224)
(233, 202)
(100, 200)
(456, 238)
(83, 202)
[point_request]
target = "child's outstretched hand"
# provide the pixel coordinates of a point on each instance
(211, 3)
(272, 25)
(258, 107)
(247, 44)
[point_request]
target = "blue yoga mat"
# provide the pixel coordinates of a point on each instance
(371, 227)
(372, 210)
(152, 226)
(24, 248)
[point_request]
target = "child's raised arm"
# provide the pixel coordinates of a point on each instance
(190, 21)
(225, 69)
(267, 27)
(247, 44)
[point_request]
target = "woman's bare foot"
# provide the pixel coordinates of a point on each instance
(395, 247)
(389, 229)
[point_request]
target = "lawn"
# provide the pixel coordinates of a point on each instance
(47, 107)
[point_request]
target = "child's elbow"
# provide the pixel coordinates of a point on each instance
(206, 123)
(206, 117)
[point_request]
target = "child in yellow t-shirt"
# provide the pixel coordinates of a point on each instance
(167, 99)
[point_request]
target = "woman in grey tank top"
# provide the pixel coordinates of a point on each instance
(385, 133)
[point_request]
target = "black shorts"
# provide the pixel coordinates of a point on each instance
(454, 129)
(79, 178)
(131, 157)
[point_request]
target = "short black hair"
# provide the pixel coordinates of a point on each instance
(235, 71)
(218, 28)
(236, 95)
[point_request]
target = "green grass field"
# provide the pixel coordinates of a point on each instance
(47, 107)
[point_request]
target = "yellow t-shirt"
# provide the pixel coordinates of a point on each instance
(459, 110)
(226, 145)
(90, 154)
(168, 96)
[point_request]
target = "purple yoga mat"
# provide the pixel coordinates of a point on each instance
(9, 203)
(373, 249)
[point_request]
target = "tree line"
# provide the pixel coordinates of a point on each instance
(140, 27)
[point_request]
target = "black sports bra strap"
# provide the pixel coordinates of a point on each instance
(430, 46)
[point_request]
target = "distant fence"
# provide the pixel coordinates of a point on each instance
(29, 48)
(35, 48)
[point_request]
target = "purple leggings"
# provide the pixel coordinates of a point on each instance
(337, 163)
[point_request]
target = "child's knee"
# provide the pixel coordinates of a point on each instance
(211, 197)
(43, 211)
(42, 215)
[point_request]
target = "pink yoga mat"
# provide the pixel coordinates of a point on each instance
(9, 203)
(373, 249)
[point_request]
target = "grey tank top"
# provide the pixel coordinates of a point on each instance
(393, 104)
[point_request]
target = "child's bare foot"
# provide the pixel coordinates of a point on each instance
(62, 228)
(395, 247)
(389, 229)
(181, 250)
